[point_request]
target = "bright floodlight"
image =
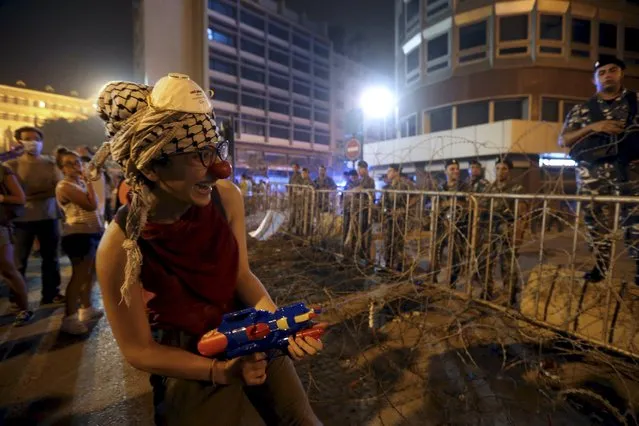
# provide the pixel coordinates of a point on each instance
(377, 102)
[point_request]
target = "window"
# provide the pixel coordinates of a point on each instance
(322, 137)
(550, 110)
(608, 35)
(222, 8)
(221, 37)
(412, 61)
(278, 80)
(321, 94)
(301, 41)
(222, 64)
(513, 28)
(321, 72)
(409, 126)
(301, 87)
(301, 110)
(441, 119)
(302, 133)
(301, 64)
(436, 6)
(278, 31)
(580, 36)
(473, 35)
(632, 39)
(321, 50)
(511, 109)
(412, 10)
(321, 115)
(224, 92)
(253, 99)
(438, 47)
(279, 129)
(278, 56)
(279, 105)
(253, 125)
(253, 46)
(251, 19)
(551, 27)
(253, 74)
(472, 114)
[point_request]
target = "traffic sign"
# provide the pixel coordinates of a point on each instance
(353, 149)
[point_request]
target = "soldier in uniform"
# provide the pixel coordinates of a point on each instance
(395, 206)
(502, 242)
(477, 184)
(594, 133)
(295, 197)
(349, 204)
(366, 183)
(452, 222)
(324, 183)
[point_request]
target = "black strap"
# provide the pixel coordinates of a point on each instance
(217, 201)
(631, 97)
(593, 110)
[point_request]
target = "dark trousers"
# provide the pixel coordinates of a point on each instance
(456, 241)
(394, 241)
(48, 234)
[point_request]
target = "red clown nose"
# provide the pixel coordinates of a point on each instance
(220, 169)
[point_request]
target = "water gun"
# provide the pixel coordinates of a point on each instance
(252, 330)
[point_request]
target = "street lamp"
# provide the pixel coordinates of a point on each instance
(376, 103)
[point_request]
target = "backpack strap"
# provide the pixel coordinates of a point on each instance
(631, 98)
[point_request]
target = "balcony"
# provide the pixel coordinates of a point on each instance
(485, 140)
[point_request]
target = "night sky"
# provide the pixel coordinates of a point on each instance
(80, 44)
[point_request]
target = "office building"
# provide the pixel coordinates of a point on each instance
(20, 106)
(271, 70)
(477, 78)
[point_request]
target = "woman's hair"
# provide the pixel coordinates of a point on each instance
(139, 135)
(61, 152)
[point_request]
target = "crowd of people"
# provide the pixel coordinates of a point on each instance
(49, 207)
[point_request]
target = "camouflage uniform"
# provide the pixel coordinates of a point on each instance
(611, 177)
(500, 239)
(395, 206)
(296, 200)
(323, 198)
(366, 183)
(478, 185)
(349, 202)
(452, 229)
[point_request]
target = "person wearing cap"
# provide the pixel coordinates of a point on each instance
(502, 243)
(349, 201)
(593, 131)
(476, 181)
(394, 227)
(452, 222)
(174, 261)
(366, 184)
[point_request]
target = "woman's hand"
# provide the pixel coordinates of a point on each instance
(247, 370)
(299, 348)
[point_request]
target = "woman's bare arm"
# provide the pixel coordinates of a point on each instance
(16, 193)
(249, 287)
(67, 192)
(130, 325)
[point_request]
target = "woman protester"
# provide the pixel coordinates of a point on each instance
(174, 260)
(81, 233)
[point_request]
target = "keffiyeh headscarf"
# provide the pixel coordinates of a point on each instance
(138, 133)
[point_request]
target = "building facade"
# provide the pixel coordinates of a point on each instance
(20, 106)
(272, 71)
(476, 78)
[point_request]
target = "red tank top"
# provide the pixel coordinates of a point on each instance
(189, 269)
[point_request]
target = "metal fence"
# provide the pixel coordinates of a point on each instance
(499, 249)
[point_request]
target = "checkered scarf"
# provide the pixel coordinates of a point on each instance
(138, 133)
